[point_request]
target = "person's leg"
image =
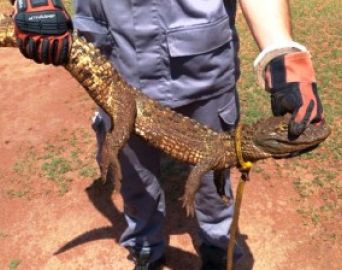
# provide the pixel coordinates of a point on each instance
(144, 204)
(214, 216)
(143, 197)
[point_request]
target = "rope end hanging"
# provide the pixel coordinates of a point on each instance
(244, 167)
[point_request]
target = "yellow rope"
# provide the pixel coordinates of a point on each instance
(234, 226)
(244, 167)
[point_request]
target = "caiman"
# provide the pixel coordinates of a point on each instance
(178, 136)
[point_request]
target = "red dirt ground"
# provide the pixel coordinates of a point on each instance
(41, 229)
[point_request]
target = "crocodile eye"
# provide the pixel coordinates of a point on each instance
(282, 127)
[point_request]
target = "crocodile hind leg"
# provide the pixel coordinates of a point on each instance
(193, 184)
(220, 182)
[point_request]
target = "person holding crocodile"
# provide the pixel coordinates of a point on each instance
(183, 54)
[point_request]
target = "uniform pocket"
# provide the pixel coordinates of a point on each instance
(201, 59)
(198, 39)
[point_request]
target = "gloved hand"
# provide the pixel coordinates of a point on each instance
(43, 30)
(292, 83)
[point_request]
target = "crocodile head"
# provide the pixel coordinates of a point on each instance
(271, 136)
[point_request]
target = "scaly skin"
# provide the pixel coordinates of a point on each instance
(179, 136)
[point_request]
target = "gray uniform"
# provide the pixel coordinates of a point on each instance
(182, 53)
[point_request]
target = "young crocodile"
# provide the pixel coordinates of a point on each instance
(179, 136)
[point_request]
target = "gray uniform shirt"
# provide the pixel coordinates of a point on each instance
(175, 51)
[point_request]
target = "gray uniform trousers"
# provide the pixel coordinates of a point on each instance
(144, 203)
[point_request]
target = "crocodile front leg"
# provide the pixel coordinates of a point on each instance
(220, 183)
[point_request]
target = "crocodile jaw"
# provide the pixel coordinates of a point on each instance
(272, 137)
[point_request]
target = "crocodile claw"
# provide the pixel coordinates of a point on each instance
(104, 172)
(111, 170)
(109, 163)
(225, 199)
(188, 203)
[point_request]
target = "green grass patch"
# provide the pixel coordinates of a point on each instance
(68, 156)
(17, 193)
(89, 172)
(56, 167)
(3, 235)
(26, 166)
(14, 264)
(320, 194)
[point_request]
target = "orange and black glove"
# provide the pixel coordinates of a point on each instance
(292, 83)
(43, 30)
